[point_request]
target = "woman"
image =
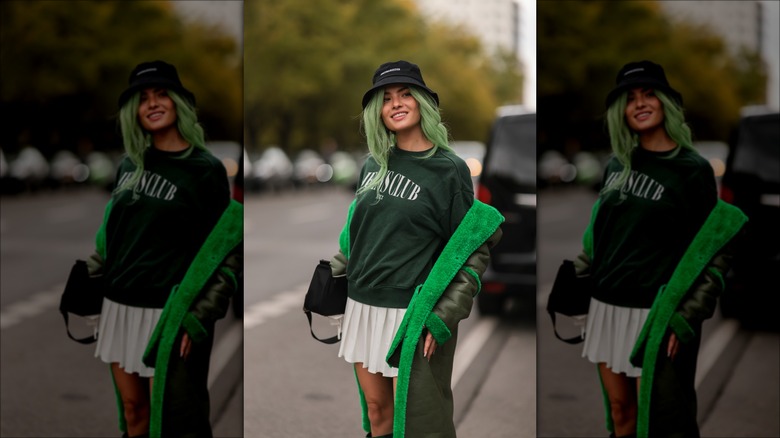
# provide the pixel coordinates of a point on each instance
(171, 199)
(653, 231)
(414, 198)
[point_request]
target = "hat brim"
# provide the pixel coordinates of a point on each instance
(397, 80)
(155, 82)
(642, 82)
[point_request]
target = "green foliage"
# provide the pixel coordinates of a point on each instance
(64, 64)
(582, 45)
(308, 64)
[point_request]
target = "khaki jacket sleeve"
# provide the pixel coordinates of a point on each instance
(582, 264)
(456, 301)
(95, 265)
(338, 265)
(700, 301)
(214, 300)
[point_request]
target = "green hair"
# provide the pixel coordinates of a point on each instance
(623, 140)
(136, 140)
(381, 140)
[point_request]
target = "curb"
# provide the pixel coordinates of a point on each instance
(226, 368)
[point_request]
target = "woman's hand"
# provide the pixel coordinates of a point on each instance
(672, 346)
(186, 344)
(430, 345)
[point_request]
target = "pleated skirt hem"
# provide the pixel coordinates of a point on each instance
(611, 332)
(123, 334)
(367, 333)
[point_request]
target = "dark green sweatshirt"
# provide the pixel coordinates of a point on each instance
(154, 230)
(398, 230)
(642, 230)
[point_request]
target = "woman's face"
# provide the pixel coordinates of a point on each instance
(644, 111)
(156, 110)
(400, 111)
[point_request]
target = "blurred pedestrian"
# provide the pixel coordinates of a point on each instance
(657, 249)
(413, 249)
(167, 252)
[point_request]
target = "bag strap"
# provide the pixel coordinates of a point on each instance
(573, 340)
(85, 341)
(331, 340)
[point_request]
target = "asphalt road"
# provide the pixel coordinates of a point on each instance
(51, 386)
(295, 386)
(733, 361)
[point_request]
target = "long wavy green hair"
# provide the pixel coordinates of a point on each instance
(623, 140)
(381, 140)
(136, 140)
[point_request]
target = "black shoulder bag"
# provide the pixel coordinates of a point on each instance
(570, 296)
(83, 296)
(327, 296)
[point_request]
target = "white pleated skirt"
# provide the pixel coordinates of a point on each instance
(367, 333)
(123, 333)
(610, 334)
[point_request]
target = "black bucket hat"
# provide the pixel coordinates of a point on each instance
(155, 74)
(642, 73)
(397, 72)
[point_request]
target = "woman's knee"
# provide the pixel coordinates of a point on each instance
(623, 411)
(379, 412)
(136, 411)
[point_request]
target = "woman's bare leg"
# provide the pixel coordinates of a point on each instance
(622, 395)
(134, 391)
(379, 393)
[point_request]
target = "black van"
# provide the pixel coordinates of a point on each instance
(752, 183)
(508, 183)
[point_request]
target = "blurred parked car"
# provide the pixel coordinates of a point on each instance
(273, 171)
(716, 152)
(508, 183)
(307, 169)
(345, 169)
(230, 153)
(752, 182)
(67, 169)
(473, 153)
(101, 169)
(30, 169)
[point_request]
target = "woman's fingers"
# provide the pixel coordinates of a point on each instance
(430, 346)
(184, 350)
(673, 346)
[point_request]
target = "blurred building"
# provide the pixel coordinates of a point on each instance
(495, 22)
(738, 22)
(743, 24)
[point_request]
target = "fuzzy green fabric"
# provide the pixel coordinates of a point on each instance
(479, 223)
(723, 223)
(224, 237)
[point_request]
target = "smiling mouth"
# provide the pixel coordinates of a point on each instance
(398, 116)
(642, 116)
(155, 116)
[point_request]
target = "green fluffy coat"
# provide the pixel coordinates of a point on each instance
(180, 403)
(667, 397)
(423, 402)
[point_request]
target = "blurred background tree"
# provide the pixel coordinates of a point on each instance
(308, 64)
(582, 45)
(64, 64)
